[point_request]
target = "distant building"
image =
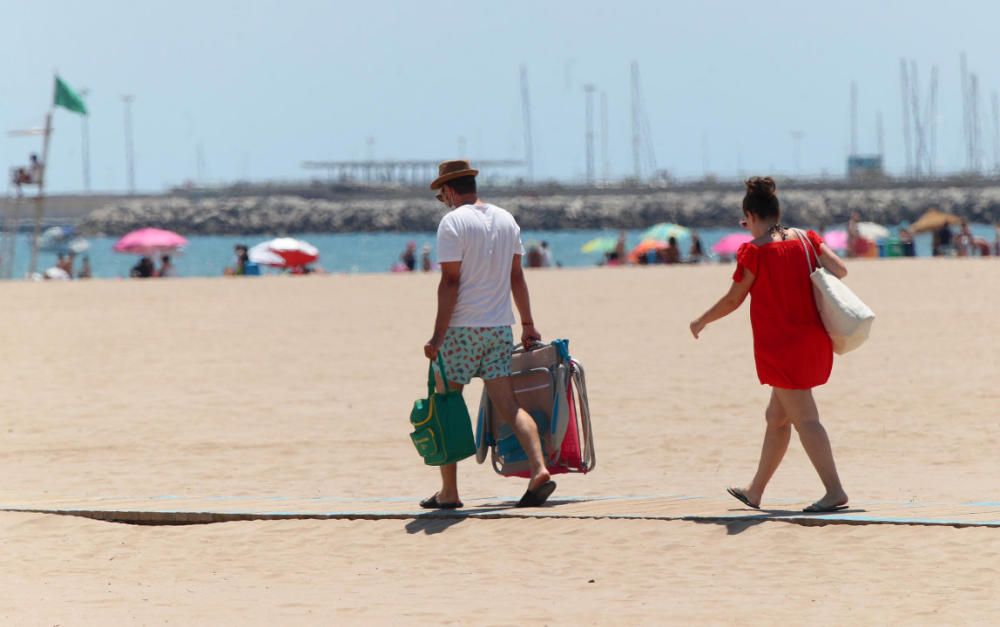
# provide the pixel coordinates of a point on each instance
(865, 168)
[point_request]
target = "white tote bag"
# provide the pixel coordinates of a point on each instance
(846, 318)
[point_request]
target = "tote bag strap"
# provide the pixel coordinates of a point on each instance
(430, 376)
(805, 242)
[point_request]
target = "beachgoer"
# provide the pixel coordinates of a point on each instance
(35, 169)
(547, 261)
(942, 240)
(144, 269)
(242, 254)
(479, 251)
(425, 258)
(906, 243)
(167, 269)
(964, 240)
(996, 240)
(672, 252)
(85, 272)
(618, 256)
(792, 350)
(65, 263)
(696, 253)
(534, 258)
(409, 256)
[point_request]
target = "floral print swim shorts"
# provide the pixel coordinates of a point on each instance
(477, 352)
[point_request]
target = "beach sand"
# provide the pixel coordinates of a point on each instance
(301, 387)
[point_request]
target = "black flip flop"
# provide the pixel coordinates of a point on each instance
(538, 496)
(816, 508)
(432, 503)
(742, 498)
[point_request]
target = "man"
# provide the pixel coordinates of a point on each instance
(479, 251)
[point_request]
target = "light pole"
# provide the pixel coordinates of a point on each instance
(796, 150)
(129, 150)
(588, 90)
(86, 145)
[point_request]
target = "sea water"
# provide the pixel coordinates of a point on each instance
(369, 252)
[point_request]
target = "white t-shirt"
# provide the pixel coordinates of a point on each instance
(485, 239)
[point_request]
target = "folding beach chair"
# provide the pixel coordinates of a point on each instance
(551, 386)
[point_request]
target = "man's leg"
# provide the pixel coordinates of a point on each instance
(455, 353)
(501, 393)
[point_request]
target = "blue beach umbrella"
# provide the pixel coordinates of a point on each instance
(665, 230)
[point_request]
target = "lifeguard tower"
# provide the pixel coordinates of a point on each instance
(20, 178)
(32, 175)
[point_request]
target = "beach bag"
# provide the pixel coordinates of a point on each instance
(551, 386)
(848, 320)
(442, 429)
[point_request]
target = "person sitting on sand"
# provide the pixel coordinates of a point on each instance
(479, 251)
(85, 272)
(671, 253)
(409, 256)
(696, 253)
(167, 269)
(242, 254)
(144, 269)
(792, 349)
(618, 255)
(425, 258)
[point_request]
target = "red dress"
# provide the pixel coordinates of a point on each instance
(790, 345)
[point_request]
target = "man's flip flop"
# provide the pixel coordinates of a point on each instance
(538, 496)
(432, 503)
(742, 498)
(816, 508)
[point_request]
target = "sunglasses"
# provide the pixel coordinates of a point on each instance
(744, 223)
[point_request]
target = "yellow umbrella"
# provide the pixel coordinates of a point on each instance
(933, 220)
(600, 245)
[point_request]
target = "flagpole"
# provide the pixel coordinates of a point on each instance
(86, 145)
(40, 198)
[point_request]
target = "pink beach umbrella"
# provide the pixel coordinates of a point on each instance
(731, 243)
(284, 252)
(837, 240)
(149, 242)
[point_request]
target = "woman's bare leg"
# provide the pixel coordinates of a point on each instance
(800, 407)
(776, 437)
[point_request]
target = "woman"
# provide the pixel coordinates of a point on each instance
(791, 348)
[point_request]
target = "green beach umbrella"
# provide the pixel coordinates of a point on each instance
(600, 245)
(665, 230)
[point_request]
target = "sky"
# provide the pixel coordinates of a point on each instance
(256, 88)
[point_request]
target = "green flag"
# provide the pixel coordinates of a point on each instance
(67, 98)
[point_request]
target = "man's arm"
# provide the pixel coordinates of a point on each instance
(451, 272)
(519, 289)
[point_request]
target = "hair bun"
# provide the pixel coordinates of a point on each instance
(763, 185)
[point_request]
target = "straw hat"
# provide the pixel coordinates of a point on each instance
(450, 170)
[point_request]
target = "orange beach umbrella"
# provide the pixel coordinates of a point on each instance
(933, 220)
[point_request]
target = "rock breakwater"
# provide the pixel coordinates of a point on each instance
(277, 214)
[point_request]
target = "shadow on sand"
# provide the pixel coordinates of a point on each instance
(735, 526)
(438, 521)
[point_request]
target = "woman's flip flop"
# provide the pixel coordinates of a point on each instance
(432, 503)
(742, 498)
(816, 508)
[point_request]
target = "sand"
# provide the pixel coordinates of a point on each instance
(301, 387)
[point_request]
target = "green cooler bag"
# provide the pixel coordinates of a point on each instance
(442, 430)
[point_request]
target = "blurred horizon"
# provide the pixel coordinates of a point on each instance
(227, 91)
